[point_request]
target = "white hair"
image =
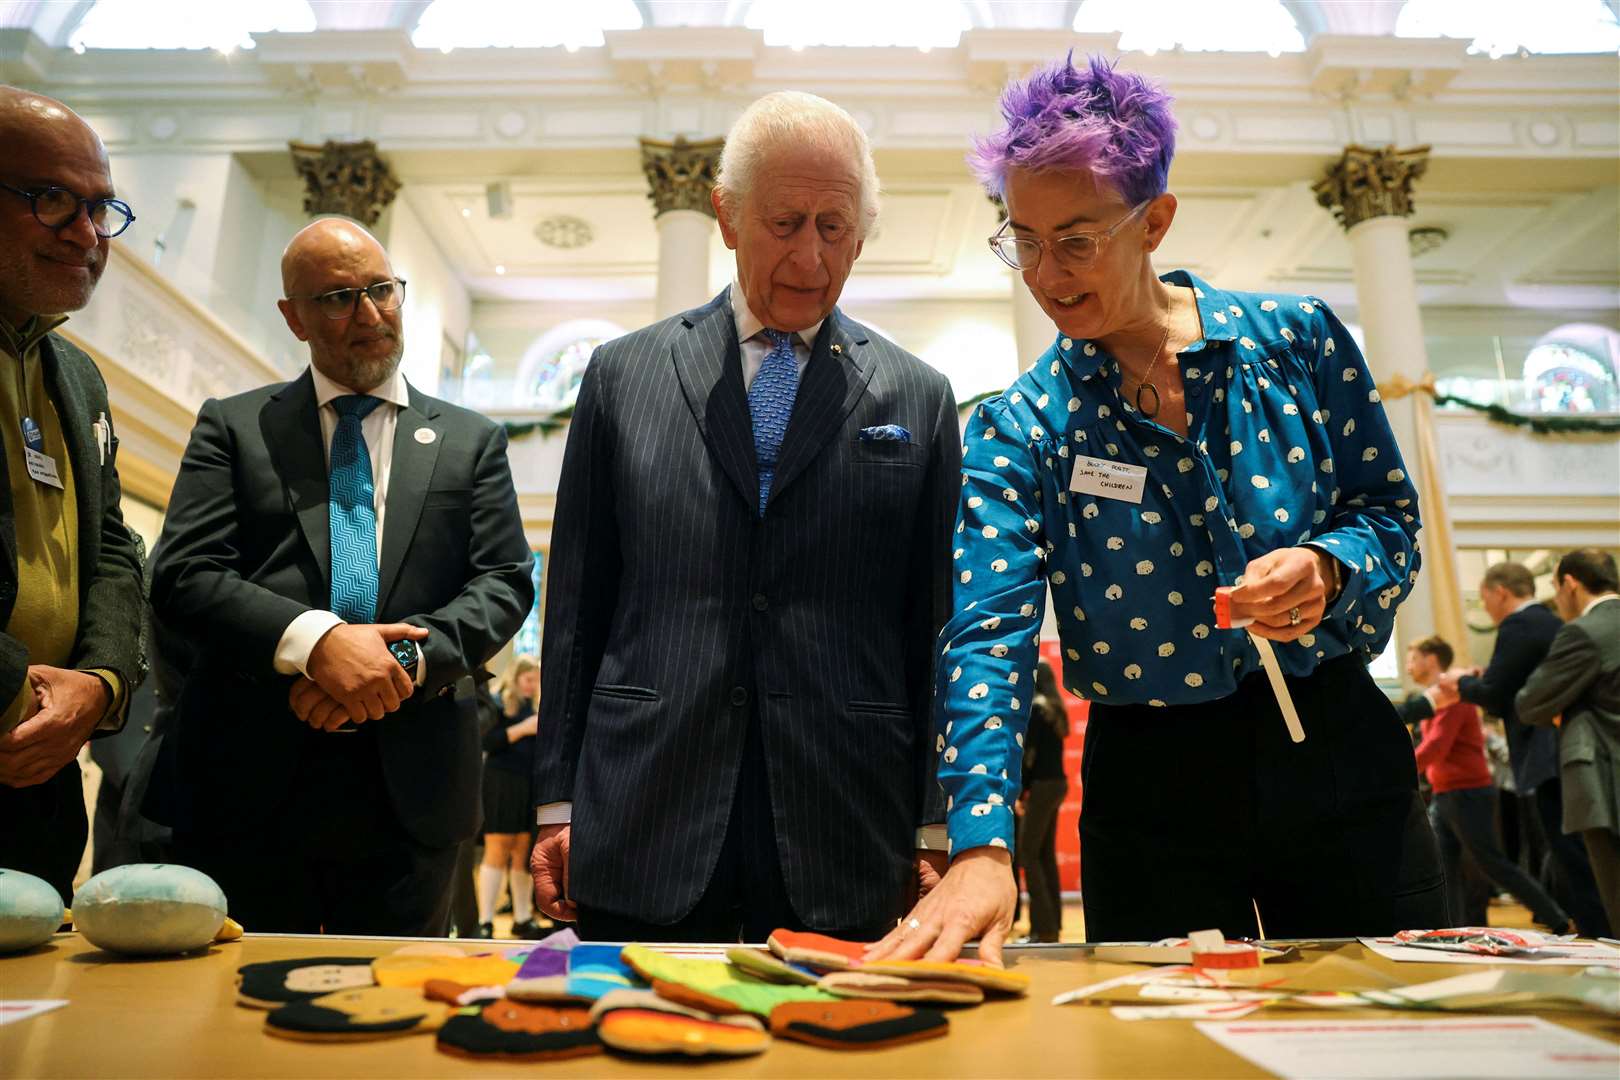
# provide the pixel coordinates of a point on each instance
(789, 117)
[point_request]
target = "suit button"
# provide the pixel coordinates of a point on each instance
(739, 696)
(760, 603)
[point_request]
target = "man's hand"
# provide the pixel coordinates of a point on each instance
(317, 708)
(549, 865)
(930, 868)
(352, 664)
(70, 705)
(974, 899)
(1448, 681)
(1275, 584)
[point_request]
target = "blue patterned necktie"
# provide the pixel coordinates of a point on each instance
(770, 403)
(352, 513)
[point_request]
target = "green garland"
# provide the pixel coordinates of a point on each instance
(545, 425)
(1540, 424)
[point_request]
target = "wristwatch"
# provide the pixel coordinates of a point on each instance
(407, 654)
(1338, 573)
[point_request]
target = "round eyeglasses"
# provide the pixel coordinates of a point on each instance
(57, 208)
(1076, 250)
(385, 295)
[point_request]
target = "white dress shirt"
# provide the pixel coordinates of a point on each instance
(302, 634)
(754, 346)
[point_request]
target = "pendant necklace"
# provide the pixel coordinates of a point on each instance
(1143, 383)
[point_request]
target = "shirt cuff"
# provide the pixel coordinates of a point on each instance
(554, 813)
(300, 639)
(980, 825)
(933, 838)
(112, 719)
(421, 665)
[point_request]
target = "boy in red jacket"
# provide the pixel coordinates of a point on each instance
(1451, 754)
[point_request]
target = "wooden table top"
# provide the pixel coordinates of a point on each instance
(178, 1017)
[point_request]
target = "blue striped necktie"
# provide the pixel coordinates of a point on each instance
(770, 403)
(352, 513)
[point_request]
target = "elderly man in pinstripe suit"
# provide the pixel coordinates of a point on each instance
(749, 568)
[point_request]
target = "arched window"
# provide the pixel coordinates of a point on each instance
(477, 24)
(1195, 25)
(1547, 26)
(187, 24)
(921, 24)
(1572, 369)
(548, 377)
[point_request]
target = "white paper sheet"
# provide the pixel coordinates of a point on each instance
(1495, 1048)
(1559, 954)
(12, 1011)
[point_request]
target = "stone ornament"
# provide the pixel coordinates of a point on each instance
(681, 174)
(1367, 183)
(348, 178)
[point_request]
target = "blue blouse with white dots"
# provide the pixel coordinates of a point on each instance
(1287, 444)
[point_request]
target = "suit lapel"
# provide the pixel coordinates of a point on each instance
(833, 383)
(291, 425)
(708, 363)
(408, 479)
(84, 456)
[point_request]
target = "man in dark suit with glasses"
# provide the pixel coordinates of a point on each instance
(340, 550)
(70, 579)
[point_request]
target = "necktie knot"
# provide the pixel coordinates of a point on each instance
(778, 338)
(355, 405)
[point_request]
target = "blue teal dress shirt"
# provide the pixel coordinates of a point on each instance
(1287, 444)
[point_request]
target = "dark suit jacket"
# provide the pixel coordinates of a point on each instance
(675, 613)
(1580, 679)
(1522, 642)
(110, 604)
(246, 549)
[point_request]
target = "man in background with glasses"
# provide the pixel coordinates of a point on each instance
(340, 549)
(70, 580)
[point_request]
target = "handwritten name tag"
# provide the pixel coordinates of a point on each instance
(1108, 479)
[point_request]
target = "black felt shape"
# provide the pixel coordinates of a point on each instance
(468, 1033)
(899, 1029)
(319, 1020)
(267, 982)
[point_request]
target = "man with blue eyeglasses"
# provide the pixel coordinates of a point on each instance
(70, 580)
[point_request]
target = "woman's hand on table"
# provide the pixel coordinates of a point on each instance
(974, 899)
(1277, 583)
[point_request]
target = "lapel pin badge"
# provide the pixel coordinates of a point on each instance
(838, 350)
(425, 435)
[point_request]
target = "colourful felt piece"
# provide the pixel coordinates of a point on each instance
(645, 1031)
(864, 984)
(370, 1012)
(485, 969)
(818, 951)
(650, 999)
(713, 985)
(593, 970)
(856, 1025)
(996, 979)
(544, 964)
(513, 1031)
(275, 983)
(460, 994)
(770, 967)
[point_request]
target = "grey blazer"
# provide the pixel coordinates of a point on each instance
(1580, 679)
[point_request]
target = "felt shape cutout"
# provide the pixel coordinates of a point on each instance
(999, 980)
(863, 984)
(543, 977)
(454, 993)
(649, 999)
(645, 1031)
(856, 1025)
(229, 930)
(275, 983)
(414, 970)
(816, 950)
(713, 985)
(593, 970)
(513, 1031)
(769, 966)
(370, 1012)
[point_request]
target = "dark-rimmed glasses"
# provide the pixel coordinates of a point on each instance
(385, 295)
(56, 208)
(1076, 250)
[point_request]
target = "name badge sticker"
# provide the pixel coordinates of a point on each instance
(1108, 479)
(42, 467)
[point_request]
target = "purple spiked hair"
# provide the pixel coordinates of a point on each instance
(1114, 124)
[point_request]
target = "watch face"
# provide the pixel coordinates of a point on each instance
(405, 652)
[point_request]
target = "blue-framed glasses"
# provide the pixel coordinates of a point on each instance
(56, 208)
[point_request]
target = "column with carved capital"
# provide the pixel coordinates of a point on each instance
(680, 176)
(1370, 193)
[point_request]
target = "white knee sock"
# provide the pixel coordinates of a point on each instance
(489, 890)
(522, 896)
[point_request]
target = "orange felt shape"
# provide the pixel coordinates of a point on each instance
(982, 975)
(407, 969)
(643, 1031)
(816, 950)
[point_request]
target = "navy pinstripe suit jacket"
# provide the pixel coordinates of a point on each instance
(674, 610)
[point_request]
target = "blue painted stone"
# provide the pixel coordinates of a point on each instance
(149, 909)
(30, 911)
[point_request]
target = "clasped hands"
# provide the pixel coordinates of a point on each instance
(352, 677)
(1446, 693)
(63, 709)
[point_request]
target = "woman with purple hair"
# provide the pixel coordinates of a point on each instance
(1174, 438)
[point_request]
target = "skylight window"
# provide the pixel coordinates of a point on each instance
(523, 24)
(187, 24)
(1547, 26)
(1152, 26)
(918, 24)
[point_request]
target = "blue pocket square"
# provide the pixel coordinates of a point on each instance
(885, 433)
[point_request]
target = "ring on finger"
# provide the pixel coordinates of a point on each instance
(1293, 616)
(913, 924)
